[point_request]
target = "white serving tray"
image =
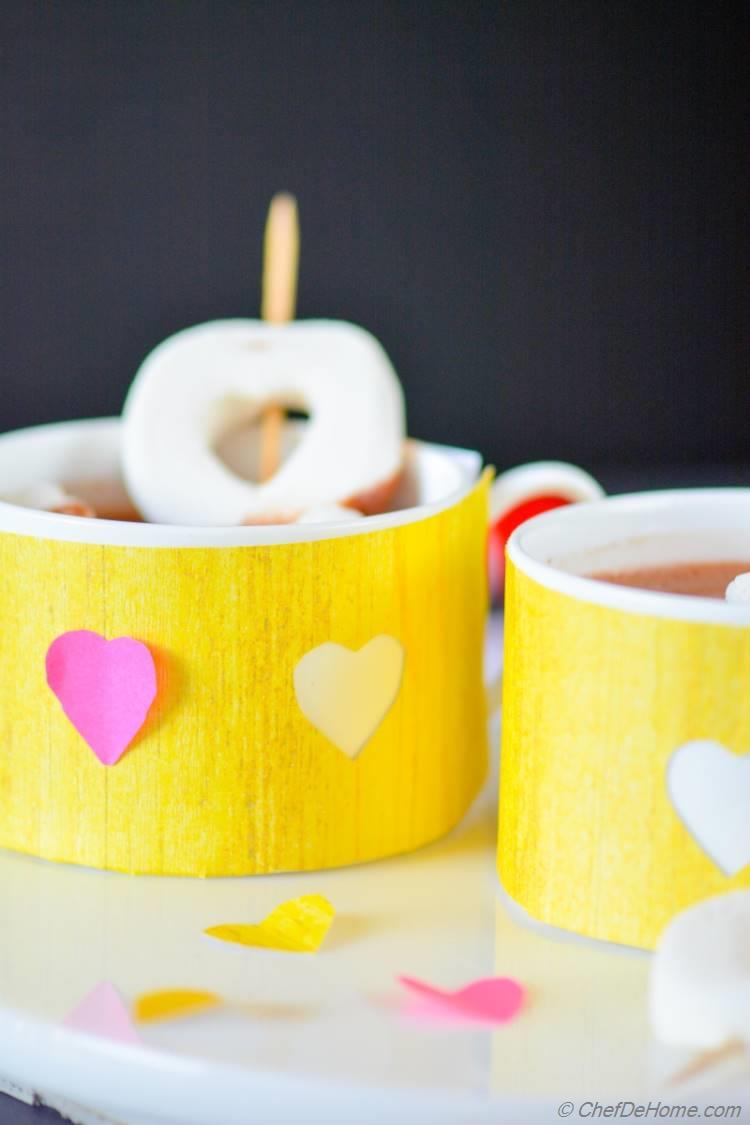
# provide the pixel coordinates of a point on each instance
(323, 1038)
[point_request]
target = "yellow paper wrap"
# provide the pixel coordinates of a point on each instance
(596, 702)
(228, 776)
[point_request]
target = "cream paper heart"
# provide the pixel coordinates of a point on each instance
(346, 695)
(710, 789)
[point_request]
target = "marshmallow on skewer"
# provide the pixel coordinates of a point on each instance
(738, 591)
(212, 378)
(280, 269)
(700, 975)
(49, 497)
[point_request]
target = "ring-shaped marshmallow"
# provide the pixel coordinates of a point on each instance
(200, 384)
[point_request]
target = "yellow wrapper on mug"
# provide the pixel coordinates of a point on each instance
(252, 757)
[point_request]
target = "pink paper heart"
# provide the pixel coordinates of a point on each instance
(105, 688)
(102, 1012)
(490, 1000)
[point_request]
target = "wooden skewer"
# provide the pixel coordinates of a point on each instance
(279, 300)
(708, 1059)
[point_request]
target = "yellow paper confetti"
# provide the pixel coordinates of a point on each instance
(297, 926)
(172, 1004)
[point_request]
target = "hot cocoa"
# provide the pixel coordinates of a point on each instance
(695, 579)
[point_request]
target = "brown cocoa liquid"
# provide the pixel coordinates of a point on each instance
(122, 515)
(698, 580)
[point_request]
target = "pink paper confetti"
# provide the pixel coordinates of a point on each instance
(492, 1000)
(105, 688)
(102, 1012)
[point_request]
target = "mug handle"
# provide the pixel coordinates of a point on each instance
(515, 496)
(539, 481)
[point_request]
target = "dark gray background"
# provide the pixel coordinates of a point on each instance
(539, 207)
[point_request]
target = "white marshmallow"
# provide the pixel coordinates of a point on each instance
(203, 382)
(738, 591)
(700, 975)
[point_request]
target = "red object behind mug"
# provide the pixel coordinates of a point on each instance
(527, 491)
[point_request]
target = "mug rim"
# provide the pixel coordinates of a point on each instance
(18, 520)
(526, 545)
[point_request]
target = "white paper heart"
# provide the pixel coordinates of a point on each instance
(709, 787)
(346, 695)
